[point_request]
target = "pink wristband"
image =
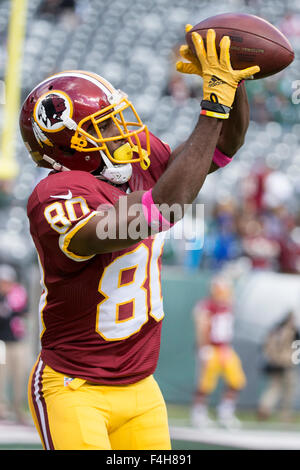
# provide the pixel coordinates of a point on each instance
(154, 218)
(220, 158)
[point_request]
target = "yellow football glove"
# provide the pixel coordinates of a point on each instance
(193, 65)
(219, 79)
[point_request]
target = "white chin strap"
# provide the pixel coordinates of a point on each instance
(55, 165)
(117, 174)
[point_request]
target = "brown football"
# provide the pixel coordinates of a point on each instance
(254, 41)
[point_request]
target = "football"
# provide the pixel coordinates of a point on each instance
(254, 41)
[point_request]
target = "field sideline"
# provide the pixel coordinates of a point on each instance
(252, 435)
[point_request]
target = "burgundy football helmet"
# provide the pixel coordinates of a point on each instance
(59, 114)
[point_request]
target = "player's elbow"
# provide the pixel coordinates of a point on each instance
(237, 144)
(231, 146)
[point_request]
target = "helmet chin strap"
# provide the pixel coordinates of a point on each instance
(55, 165)
(117, 174)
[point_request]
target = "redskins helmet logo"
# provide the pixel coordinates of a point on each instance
(51, 109)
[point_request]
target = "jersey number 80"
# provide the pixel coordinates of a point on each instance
(143, 265)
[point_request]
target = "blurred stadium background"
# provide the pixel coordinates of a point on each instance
(252, 216)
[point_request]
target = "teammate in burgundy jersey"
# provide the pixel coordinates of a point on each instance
(216, 358)
(101, 306)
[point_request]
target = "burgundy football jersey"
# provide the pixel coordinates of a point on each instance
(100, 315)
(221, 321)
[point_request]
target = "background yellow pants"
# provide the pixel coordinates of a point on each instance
(225, 363)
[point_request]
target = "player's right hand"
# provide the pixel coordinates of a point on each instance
(220, 81)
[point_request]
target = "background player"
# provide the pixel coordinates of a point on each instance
(279, 369)
(13, 312)
(101, 307)
(214, 332)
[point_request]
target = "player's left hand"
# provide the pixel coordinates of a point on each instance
(192, 66)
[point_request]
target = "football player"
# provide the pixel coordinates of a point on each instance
(101, 308)
(216, 358)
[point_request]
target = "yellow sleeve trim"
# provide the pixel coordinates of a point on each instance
(65, 239)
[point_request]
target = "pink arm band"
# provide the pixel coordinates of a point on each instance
(154, 218)
(220, 158)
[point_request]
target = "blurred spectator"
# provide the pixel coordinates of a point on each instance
(68, 14)
(261, 249)
(277, 190)
(55, 7)
(49, 7)
(279, 369)
(179, 86)
(213, 318)
(280, 223)
(258, 109)
(271, 100)
(253, 188)
(64, 10)
(290, 25)
(13, 308)
(226, 244)
(5, 192)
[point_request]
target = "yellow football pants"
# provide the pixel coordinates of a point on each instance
(76, 415)
(222, 362)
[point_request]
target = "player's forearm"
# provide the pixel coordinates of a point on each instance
(234, 129)
(233, 132)
(183, 179)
